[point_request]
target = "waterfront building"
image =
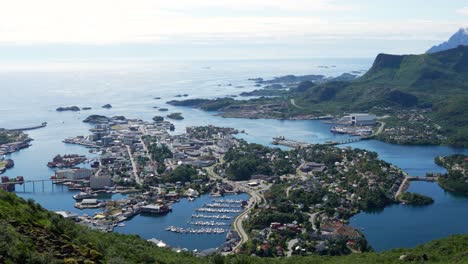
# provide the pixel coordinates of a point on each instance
(358, 119)
(73, 174)
(100, 182)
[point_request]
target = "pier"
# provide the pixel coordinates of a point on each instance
(289, 143)
(29, 128)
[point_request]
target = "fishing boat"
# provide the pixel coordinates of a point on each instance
(84, 195)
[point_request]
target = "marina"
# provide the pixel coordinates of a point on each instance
(212, 216)
(181, 230)
(209, 223)
(223, 210)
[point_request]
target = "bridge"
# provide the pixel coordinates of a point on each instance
(297, 144)
(346, 141)
(33, 183)
(405, 183)
(427, 179)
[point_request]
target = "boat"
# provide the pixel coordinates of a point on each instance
(121, 225)
(191, 199)
(84, 195)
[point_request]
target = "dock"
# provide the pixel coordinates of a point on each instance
(289, 143)
(29, 128)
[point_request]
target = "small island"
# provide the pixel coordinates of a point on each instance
(107, 106)
(100, 119)
(158, 119)
(415, 199)
(163, 109)
(68, 108)
(175, 116)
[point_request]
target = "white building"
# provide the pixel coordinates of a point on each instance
(358, 119)
(100, 182)
(73, 174)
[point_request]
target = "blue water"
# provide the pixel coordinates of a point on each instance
(33, 94)
(180, 216)
(400, 225)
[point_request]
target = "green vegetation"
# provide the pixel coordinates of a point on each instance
(7, 136)
(252, 159)
(159, 152)
(183, 173)
(456, 178)
(415, 199)
(30, 234)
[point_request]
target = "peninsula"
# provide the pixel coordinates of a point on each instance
(423, 98)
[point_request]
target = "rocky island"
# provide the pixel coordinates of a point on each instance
(68, 108)
(175, 116)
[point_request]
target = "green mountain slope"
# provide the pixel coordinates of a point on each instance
(30, 234)
(438, 81)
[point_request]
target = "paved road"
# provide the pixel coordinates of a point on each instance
(255, 198)
(293, 102)
(290, 245)
(380, 130)
(135, 170)
(312, 218)
(403, 187)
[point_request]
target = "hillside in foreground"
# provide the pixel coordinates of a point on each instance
(31, 234)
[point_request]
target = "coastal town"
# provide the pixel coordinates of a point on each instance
(300, 199)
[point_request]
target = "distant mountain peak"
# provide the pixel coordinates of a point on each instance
(457, 39)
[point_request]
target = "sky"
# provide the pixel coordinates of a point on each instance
(223, 29)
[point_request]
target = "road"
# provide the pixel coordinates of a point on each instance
(380, 130)
(312, 218)
(291, 243)
(403, 187)
(135, 170)
(255, 198)
(293, 102)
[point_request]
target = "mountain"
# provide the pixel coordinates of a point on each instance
(457, 39)
(31, 234)
(402, 80)
(437, 81)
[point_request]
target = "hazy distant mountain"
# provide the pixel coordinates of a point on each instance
(457, 39)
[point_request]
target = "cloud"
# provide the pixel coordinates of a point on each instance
(462, 11)
(200, 21)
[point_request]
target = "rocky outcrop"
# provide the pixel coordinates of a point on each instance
(457, 39)
(96, 119)
(68, 108)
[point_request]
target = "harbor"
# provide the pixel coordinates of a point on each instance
(416, 160)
